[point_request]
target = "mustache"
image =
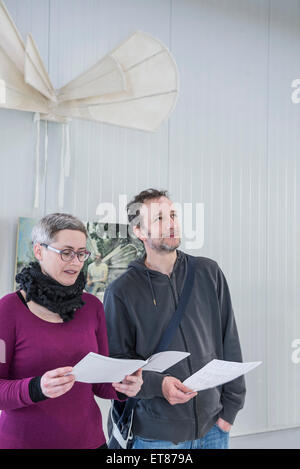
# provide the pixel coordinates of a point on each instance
(176, 234)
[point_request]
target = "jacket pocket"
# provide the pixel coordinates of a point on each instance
(159, 408)
(222, 431)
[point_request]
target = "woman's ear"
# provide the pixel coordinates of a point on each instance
(37, 251)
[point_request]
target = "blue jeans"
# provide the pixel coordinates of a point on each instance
(214, 439)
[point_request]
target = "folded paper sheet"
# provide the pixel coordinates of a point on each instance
(135, 85)
(95, 368)
(218, 372)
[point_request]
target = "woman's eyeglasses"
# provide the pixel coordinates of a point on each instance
(68, 254)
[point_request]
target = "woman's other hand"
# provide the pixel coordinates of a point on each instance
(131, 384)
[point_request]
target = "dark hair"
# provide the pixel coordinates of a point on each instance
(133, 207)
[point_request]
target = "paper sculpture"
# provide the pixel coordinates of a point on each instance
(134, 86)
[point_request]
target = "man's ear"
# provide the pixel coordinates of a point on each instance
(37, 251)
(138, 233)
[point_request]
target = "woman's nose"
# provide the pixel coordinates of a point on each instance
(76, 261)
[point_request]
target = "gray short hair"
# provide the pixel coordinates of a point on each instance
(44, 231)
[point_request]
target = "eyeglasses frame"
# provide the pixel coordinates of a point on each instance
(60, 251)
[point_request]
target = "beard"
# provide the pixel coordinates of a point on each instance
(160, 245)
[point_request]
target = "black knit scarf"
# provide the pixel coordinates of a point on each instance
(47, 292)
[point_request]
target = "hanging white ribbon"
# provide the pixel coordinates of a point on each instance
(36, 119)
(67, 150)
(61, 188)
(65, 160)
(46, 149)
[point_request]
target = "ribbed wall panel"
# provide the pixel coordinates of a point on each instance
(282, 295)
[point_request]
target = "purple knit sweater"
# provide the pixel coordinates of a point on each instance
(34, 346)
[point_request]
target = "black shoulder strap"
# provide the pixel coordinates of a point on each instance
(181, 307)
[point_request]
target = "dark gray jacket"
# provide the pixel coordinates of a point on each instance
(138, 307)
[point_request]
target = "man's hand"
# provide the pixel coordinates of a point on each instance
(175, 392)
(131, 384)
(225, 426)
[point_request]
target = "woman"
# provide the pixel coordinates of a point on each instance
(47, 327)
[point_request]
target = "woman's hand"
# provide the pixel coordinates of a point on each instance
(131, 384)
(54, 383)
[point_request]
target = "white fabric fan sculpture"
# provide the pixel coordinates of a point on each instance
(134, 86)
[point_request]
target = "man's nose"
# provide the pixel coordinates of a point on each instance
(169, 224)
(175, 225)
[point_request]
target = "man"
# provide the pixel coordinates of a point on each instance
(97, 275)
(138, 307)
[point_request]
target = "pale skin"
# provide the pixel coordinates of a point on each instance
(54, 383)
(160, 232)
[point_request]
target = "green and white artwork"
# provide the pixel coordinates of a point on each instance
(110, 244)
(112, 250)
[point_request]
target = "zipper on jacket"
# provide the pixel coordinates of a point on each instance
(191, 372)
(188, 360)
